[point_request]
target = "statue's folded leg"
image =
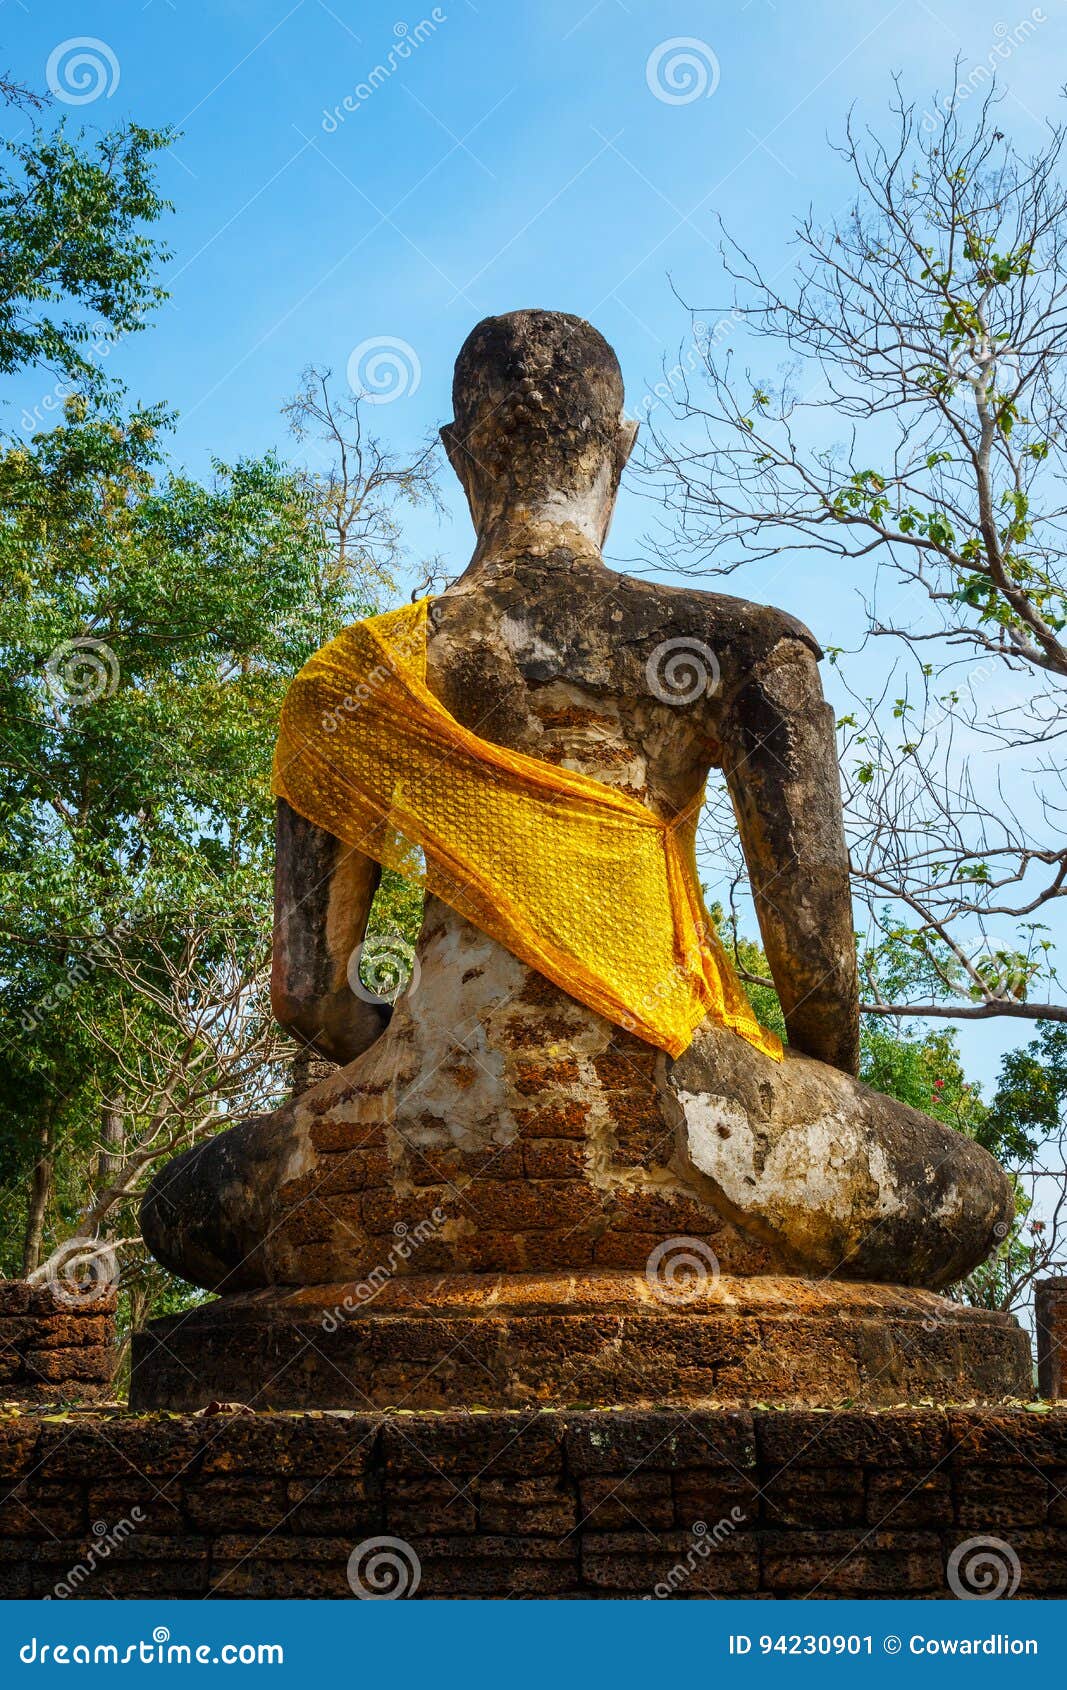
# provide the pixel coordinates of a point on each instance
(851, 1184)
(205, 1215)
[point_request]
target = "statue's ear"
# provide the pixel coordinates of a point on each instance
(452, 444)
(624, 441)
(457, 453)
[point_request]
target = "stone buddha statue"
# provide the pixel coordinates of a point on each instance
(490, 1154)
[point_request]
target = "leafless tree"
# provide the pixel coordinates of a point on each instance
(14, 93)
(358, 485)
(207, 1050)
(916, 434)
(194, 1046)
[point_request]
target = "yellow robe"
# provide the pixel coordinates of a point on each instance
(579, 881)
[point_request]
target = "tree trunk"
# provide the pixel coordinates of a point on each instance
(40, 1190)
(109, 1161)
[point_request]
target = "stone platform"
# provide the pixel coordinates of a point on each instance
(600, 1338)
(633, 1503)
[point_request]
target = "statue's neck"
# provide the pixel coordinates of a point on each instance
(528, 534)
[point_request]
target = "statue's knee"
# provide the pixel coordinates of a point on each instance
(942, 1203)
(200, 1216)
(846, 1181)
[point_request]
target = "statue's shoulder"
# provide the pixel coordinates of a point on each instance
(549, 611)
(653, 607)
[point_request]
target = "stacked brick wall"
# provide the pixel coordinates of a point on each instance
(1051, 1321)
(571, 1504)
(54, 1345)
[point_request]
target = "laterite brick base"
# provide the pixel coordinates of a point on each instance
(1050, 1312)
(54, 1343)
(629, 1503)
(553, 1339)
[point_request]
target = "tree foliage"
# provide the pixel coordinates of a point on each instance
(75, 246)
(154, 623)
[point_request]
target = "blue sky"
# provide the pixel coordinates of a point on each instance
(515, 154)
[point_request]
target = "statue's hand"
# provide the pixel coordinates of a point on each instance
(339, 1025)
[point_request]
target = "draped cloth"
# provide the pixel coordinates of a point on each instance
(578, 880)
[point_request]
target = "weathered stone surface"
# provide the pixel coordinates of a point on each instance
(601, 1337)
(897, 1498)
(48, 1298)
(18, 1440)
(853, 1563)
(823, 1496)
(526, 1507)
(898, 1437)
(236, 1503)
(637, 1563)
(75, 1365)
(609, 1503)
(1050, 1311)
(54, 1344)
(1017, 1497)
(567, 1504)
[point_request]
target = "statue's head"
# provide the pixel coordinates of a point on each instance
(538, 427)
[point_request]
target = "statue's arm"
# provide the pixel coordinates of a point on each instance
(322, 898)
(780, 761)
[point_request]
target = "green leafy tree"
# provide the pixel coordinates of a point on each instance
(154, 623)
(152, 626)
(1027, 1122)
(76, 272)
(75, 255)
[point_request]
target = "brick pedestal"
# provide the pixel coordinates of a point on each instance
(634, 1503)
(1050, 1307)
(54, 1345)
(600, 1338)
